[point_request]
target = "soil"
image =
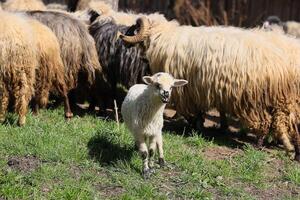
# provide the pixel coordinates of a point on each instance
(220, 152)
(24, 164)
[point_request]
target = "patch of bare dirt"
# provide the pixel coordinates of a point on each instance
(274, 191)
(110, 190)
(220, 153)
(24, 164)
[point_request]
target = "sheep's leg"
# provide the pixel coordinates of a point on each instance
(40, 99)
(159, 142)
(35, 105)
(260, 141)
(297, 147)
(281, 130)
(68, 112)
(223, 121)
(43, 100)
(4, 103)
(62, 89)
(67, 108)
(152, 148)
(144, 155)
(22, 97)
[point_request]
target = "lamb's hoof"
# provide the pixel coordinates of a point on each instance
(68, 115)
(161, 162)
(35, 113)
(147, 173)
(297, 157)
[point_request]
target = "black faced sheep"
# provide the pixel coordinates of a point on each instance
(121, 63)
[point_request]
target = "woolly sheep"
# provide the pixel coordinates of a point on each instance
(21, 5)
(105, 11)
(18, 62)
(142, 111)
(50, 72)
(290, 27)
(237, 70)
(118, 58)
(56, 6)
(78, 51)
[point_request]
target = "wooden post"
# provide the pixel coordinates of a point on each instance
(116, 114)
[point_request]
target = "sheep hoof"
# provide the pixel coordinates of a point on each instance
(147, 173)
(2, 119)
(161, 162)
(21, 121)
(68, 115)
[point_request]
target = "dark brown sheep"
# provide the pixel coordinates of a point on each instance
(50, 71)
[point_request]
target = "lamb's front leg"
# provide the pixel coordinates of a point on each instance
(152, 148)
(159, 142)
(144, 154)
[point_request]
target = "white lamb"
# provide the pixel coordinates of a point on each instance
(142, 111)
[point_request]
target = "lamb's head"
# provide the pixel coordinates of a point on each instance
(162, 84)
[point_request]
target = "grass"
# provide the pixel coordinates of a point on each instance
(89, 158)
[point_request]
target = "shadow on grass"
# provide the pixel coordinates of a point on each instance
(233, 139)
(10, 120)
(107, 152)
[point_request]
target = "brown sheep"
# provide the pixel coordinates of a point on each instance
(50, 72)
(21, 5)
(78, 50)
(17, 74)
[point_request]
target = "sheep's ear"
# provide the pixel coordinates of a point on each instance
(148, 80)
(179, 82)
(93, 15)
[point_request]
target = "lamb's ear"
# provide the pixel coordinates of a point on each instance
(148, 80)
(179, 82)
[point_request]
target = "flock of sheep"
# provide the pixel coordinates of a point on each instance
(251, 74)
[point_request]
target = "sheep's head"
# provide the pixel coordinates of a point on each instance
(273, 23)
(162, 83)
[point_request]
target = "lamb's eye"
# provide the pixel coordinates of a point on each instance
(157, 86)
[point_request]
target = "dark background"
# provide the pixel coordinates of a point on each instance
(245, 13)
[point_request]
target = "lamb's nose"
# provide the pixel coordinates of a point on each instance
(166, 94)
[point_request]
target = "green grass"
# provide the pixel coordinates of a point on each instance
(89, 158)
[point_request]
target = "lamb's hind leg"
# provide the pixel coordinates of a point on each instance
(4, 97)
(144, 155)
